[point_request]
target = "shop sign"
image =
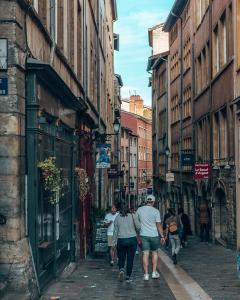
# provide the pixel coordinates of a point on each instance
(103, 159)
(113, 171)
(3, 86)
(202, 171)
(187, 159)
(170, 177)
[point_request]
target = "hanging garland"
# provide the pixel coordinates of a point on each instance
(83, 182)
(52, 178)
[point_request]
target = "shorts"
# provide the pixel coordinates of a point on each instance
(110, 240)
(150, 243)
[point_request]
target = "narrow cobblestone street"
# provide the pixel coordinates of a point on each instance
(95, 279)
(204, 264)
(213, 267)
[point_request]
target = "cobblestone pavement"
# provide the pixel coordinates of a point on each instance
(213, 267)
(95, 279)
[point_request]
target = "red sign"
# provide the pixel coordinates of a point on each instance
(202, 171)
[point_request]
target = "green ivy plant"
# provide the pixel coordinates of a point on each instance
(52, 178)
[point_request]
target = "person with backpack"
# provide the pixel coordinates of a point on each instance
(166, 216)
(185, 227)
(173, 226)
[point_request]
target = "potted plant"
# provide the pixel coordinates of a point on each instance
(83, 182)
(51, 176)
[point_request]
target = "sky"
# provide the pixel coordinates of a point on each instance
(134, 19)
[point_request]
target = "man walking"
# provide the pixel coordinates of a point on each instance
(109, 222)
(151, 228)
(204, 218)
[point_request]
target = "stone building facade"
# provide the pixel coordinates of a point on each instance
(236, 24)
(158, 66)
(129, 121)
(60, 80)
(201, 96)
(140, 124)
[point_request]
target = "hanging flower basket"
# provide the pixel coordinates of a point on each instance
(51, 176)
(83, 182)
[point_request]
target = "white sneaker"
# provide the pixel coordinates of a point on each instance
(146, 277)
(155, 275)
(121, 276)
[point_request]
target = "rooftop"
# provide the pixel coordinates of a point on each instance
(176, 11)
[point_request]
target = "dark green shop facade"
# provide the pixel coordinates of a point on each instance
(52, 117)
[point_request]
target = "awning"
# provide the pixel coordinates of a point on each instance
(47, 74)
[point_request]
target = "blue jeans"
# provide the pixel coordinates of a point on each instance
(126, 249)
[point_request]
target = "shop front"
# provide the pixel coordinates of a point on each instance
(51, 121)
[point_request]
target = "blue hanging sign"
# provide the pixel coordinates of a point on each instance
(103, 159)
(3, 86)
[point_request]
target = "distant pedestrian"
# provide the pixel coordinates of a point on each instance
(109, 222)
(173, 225)
(126, 226)
(151, 228)
(185, 226)
(204, 220)
(165, 217)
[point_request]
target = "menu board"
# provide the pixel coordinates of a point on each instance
(101, 242)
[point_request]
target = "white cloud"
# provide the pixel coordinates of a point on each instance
(134, 26)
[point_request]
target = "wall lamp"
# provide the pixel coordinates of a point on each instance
(98, 137)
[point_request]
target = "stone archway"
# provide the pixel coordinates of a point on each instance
(221, 214)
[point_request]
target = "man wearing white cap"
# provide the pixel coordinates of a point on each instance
(151, 233)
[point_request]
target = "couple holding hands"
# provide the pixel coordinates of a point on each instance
(142, 228)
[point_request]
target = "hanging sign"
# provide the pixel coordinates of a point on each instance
(170, 177)
(103, 159)
(113, 171)
(202, 171)
(187, 159)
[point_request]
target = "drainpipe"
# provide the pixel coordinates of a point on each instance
(181, 113)
(181, 107)
(100, 175)
(194, 131)
(211, 118)
(52, 29)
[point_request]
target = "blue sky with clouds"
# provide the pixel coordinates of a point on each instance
(134, 19)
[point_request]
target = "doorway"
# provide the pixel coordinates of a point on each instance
(220, 215)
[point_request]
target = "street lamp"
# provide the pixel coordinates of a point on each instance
(167, 151)
(116, 126)
(144, 175)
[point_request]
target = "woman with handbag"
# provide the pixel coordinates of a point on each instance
(126, 226)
